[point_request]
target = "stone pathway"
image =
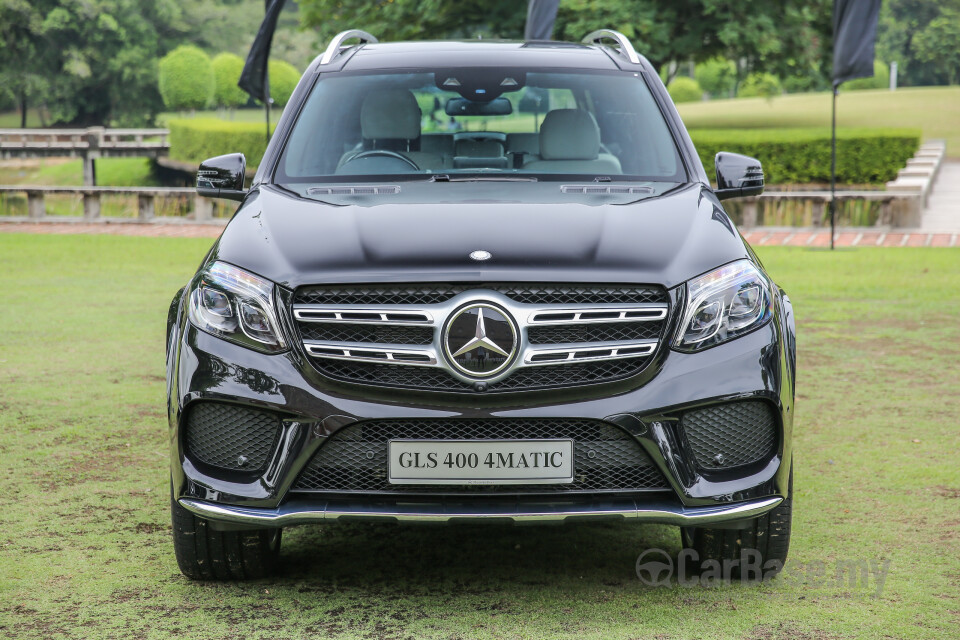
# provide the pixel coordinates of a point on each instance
(943, 205)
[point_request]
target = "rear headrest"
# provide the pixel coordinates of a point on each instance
(392, 114)
(569, 134)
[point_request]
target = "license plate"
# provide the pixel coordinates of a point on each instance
(480, 461)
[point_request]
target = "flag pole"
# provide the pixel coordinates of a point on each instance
(833, 166)
(266, 77)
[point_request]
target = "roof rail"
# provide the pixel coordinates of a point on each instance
(333, 49)
(626, 49)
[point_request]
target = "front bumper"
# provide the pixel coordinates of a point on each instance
(295, 512)
(756, 366)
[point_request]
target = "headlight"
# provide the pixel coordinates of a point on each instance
(724, 304)
(237, 306)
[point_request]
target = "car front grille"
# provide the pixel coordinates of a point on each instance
(229, 436)
(569, 334)
(527, 293)
(731, 435)
(606, 458)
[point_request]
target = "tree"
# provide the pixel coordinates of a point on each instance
(283, 78)
(226, 71)
(717, 76)
(416, 19)
(771, 36)
(186, 79)
(756, 85)
(901, 23)
(939, 44)
(684, 89)
(23, 53)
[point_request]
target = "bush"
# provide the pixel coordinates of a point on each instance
(226, 70)
(283, 80)
(880, 79)
(684, 89)
(195, 140)
(801, 156)
(759, 85)
(716, 76)
(186, 79)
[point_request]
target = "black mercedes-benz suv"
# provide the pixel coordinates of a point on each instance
(479, 281)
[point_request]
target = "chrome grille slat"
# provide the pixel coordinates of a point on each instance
(576, 326)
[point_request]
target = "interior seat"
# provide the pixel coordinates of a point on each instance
(570, 143)
(390, 120)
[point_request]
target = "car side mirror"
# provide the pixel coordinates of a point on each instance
(738, 176)
(222, 177)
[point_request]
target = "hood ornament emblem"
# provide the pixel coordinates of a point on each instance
(481, 255)
(480, 340)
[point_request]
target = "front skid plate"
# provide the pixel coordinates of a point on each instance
(295, 512)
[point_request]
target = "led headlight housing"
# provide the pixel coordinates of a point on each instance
(723, 304)
(236, 305)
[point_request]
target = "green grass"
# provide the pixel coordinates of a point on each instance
(111, 172)
(85, 549)
(930, 109)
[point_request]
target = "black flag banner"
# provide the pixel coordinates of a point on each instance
(253, 79)
(854, 32)
(541, 15)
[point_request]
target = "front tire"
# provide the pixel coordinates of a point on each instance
(206, 554)
(768, 535)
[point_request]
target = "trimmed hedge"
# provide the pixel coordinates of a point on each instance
(283, 80)
(195, 140)
(802, 156)
(684, 89)
(227, 68)
(186, 78)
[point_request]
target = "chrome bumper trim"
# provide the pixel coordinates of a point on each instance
(302, 513)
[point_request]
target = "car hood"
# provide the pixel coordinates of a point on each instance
(664, 237)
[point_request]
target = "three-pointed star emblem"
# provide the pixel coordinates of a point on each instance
(481, 340)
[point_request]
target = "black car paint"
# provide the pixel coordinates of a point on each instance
(665, 239)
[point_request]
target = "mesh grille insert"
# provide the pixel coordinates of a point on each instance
(530, 378)
(599, 332)
(382, 334)
(531, 293)
(220, 434)
(731, 435)
(606, 458)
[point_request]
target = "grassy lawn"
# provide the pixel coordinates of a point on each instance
(85, 548)
(931, 109)
(68, 172)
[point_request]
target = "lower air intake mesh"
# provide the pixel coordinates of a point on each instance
(731, 435)
(606, 458)
(231, 437)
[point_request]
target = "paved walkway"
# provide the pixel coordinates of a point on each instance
(943, 206)
(762, 237)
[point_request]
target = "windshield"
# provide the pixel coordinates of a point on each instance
(493, 123)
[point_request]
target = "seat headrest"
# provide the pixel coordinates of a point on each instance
(569, 134)
(392, 114)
